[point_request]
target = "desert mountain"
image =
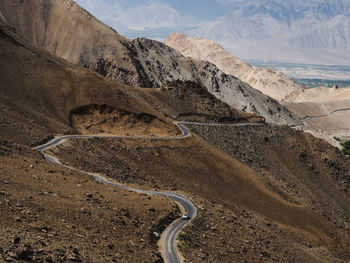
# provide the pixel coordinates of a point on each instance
(322, 110)
(264, 193)
(68, 31)
(308, 32)
(271, 82)
(59, 95)
(320, 27)
(46, 211)
(334, 33)
(89, 103)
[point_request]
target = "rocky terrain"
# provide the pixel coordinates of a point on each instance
(322, 110)
(286, 157)
(141, 62)
(297, 191)
(264, 193)
(52, 91)
(252, 238)
(189, 101)
(270, 82)
(50, 214)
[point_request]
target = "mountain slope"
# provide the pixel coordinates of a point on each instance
(231, 29)
(301, 187)
(53, 214)
(141, 63)
(300, 28)
(51, 91)
(334, 34)
(241, 26)
(271, 82)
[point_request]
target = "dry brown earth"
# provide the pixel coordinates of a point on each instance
(302, 205)
(287, 196)
(320, 94)
(325, 119)
(325, 111)
(301, 102)
(47, 93)
(49, 214)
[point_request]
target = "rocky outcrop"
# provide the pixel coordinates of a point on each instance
(271, 82)
(70, 32)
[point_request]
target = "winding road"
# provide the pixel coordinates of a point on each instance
(324, 116)
(170, 253)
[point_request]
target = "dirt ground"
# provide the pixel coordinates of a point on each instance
(240, 235)
(49, 214)
(305, 213)
(332, 120)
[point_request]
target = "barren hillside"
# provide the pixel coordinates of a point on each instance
(68, 31)
(270, 82)
(50, 214)
(298, 201)
(319, 94)
(264, 193)
(324, 111)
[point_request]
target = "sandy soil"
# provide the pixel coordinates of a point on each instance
(325, 119)
(309, 109)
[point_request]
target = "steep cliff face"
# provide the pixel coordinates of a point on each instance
(271, 82)
(68, 31)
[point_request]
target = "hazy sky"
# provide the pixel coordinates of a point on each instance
(125, 12)
(195, 9)
(264, 29)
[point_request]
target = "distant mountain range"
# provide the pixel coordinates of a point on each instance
(313, 31)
